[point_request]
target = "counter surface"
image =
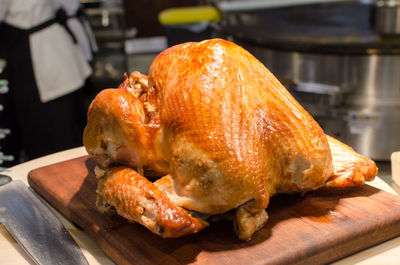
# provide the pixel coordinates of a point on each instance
(385, 253)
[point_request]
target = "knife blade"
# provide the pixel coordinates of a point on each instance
(35, 227)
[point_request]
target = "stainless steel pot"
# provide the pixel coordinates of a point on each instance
(364, 112)
(332, 59)
(388, 17)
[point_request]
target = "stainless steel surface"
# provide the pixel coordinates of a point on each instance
(364, 75)
(329, 95)
(240, 5)
(387, 19)
(367, 115)
(35, 227)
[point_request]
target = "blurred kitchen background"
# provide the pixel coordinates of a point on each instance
(340, 59)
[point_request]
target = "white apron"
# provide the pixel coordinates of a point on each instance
(80, 28)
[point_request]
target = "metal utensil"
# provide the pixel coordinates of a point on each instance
(240, 5)
(39, 232)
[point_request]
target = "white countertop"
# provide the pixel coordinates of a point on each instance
(384, 253)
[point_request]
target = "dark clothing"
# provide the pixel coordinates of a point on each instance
(43, 128)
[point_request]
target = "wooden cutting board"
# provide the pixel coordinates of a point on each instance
(316, 228)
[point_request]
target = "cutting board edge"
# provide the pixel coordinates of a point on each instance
(79, 158)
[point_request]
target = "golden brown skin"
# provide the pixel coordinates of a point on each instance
(350, 168)
(139, 200)
(223, 127)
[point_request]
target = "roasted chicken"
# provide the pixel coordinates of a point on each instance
(220, 131)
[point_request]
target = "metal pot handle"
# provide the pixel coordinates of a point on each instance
(317, 88)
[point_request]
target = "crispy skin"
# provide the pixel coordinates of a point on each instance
(350, 168)
(223, 130)
(137, 199)
(122, 126)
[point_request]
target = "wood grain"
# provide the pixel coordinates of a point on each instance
(316, 228)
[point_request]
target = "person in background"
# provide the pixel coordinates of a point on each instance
(45, 69)
(79, 26)
(74, 19)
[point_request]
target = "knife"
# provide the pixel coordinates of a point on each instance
(35, 227)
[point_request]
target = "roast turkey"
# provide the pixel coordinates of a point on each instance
(218, 132)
